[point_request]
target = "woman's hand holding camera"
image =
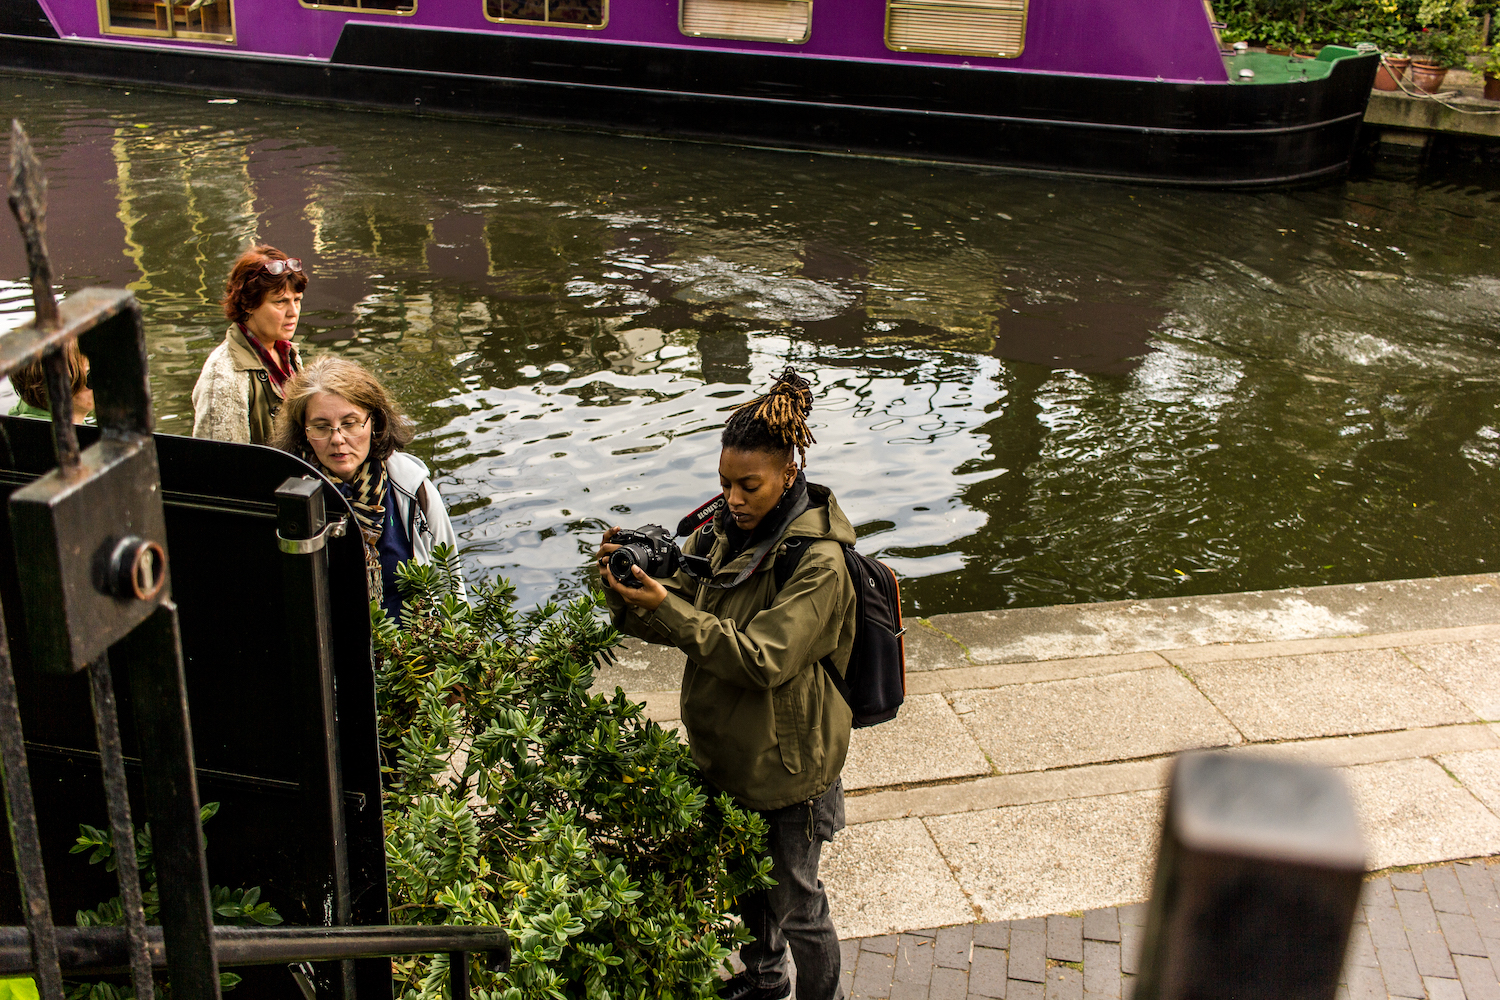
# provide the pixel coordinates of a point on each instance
(647, 594)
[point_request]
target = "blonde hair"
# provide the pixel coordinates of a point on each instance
(352, 382)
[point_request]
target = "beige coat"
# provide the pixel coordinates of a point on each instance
(764, 721)
(233, 399)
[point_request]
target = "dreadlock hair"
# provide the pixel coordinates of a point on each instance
(775, 422)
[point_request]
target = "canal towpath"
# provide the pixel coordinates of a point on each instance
(1024, 779)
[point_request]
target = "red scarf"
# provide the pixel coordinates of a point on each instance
(280, 367)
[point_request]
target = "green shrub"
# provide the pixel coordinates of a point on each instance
(1394, 25)
(232, 907)
(518, 799)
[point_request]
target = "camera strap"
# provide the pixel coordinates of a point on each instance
(700, 569)
(701, 516)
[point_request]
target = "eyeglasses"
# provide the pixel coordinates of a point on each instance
(274, 267)
(322, 430)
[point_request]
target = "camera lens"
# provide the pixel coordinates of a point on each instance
(620, 562)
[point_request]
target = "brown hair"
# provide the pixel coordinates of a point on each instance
(775, 422)
(30, 381)
(249, 282)
(350, 381)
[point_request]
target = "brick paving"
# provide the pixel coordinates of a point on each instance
(1432, 934)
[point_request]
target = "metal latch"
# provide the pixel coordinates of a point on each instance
(306, 546)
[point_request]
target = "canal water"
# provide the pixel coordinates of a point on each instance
(1029, 390)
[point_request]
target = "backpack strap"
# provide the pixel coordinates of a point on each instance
(784, 569)
(787, 562)
(422, 500)
(419, 509)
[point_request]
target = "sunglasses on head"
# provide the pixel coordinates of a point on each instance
(274, 267)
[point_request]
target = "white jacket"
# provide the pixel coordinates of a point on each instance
(420, 507)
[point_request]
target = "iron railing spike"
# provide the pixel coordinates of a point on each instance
(122, 830)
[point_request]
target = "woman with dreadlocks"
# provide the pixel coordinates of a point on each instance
(338, 418)
(764, 720)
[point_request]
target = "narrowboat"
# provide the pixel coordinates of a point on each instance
(1137, 90)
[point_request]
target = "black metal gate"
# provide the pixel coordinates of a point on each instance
(186, 621)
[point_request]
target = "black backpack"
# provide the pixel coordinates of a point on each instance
(874, 684)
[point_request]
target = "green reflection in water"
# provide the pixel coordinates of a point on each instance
(1030, 391)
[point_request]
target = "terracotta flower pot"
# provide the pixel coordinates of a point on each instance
(1428, 76)
(1491, 87)
(1278, 50)
(1392, 68)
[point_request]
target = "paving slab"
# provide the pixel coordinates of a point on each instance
(1413, 813)
(1101, 966)
(1261, 616)
(1471, 670)
(987, 972)
(1065, 938)
(1477, 975)
(913, 960)
(1479, 772)
(1143, 713)
(1028, 954)
(1326, 694)
(928, 649)
(888, 876)
(995, 675)
(1009, 790)
(641, 666)
(952, 946)
(1102, 925)
(1132, 776)
(1053, 857)
(925, 742)
(1329, 644)
(1371, 748)
(1064, 983)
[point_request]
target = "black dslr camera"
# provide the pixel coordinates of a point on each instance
(650, 547)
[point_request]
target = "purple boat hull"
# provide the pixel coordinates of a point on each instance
(1140, 94)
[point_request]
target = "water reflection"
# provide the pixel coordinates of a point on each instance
(1028, 390)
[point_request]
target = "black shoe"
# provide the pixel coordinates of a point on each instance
(741, 988)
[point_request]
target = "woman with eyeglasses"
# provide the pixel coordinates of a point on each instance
(341, 420)
(242, 383)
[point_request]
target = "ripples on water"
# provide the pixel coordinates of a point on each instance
(1029, 391)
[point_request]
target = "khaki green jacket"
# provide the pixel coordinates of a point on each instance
(233, 399)
(763, 720)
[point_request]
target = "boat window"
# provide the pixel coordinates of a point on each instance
(759, 20)
(373, 6)
(573, 13)
(199, 20)
(963, 27)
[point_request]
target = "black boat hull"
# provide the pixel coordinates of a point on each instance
(1117, 129)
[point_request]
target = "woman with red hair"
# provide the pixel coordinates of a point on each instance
(239, 391)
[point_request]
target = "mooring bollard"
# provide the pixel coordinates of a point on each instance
(1256, 882)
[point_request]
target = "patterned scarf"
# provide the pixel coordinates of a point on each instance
(365, 494)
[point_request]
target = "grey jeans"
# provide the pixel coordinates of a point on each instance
(793, 913)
